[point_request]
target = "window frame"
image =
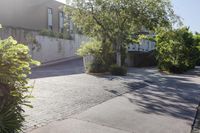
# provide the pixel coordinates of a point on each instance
(61, 15)
(49, 12)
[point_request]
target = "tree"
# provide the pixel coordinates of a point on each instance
(197, 44)
(197, 39)
(176, 50)
(115, 21)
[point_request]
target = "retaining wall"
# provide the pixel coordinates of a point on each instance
(45, 49)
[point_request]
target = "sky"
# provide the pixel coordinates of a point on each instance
(63, 1)
(188, 10)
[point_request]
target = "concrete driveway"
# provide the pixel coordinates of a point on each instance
(145, 101)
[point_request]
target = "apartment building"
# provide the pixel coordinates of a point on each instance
(33, 14)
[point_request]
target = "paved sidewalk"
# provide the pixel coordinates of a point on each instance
(119, 115)
(77, 126)
(145, 101)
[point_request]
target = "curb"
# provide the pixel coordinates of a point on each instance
(57, 61)
(196, 124)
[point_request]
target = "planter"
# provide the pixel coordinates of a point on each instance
(87, 60)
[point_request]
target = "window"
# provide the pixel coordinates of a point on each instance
(67, 22)
(71, 26)
(61, 22)
(50, 19)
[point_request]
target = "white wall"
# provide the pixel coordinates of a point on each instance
(52, 49)
(145, 46)
(46, 49)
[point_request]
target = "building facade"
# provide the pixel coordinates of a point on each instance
(27, 22)
(142, 54)
(32, 14)
(145, 46)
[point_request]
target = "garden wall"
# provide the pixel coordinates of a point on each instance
(45, 49)
(20, 34)
(48, 50)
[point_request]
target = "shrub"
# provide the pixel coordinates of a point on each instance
(15, 63)
(60, 35)
(197, 43)
(102, 53)
(96, 67)
(175, 50)
(11, 120)
(93, 48)
(118, 71)
(198, 49)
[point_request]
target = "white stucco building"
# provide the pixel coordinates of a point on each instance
(145, 45)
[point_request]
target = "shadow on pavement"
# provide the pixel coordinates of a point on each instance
(61, 69)
(167, 95)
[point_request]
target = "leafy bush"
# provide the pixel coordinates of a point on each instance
(197, 43)
(118, 71)
(175, 50)
(198, 49)
(11, 120)
(50, 33)
(15, 63)
(96, 67)
(93, 48)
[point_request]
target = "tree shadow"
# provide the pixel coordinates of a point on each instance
(168, 95)
(61, 69)
(195, 72)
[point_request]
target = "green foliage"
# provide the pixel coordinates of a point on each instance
(115, 21)
(197, 44)
(49, 33)
(118, 71)
(197, 39)
(176, 51)
(96, 66)
(15, 63)
(10, 119)
(198, 54)
(138, 38)
(93, 47)
(103, 56)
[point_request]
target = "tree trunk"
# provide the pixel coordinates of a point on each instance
(119, 62)
(118, 58)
